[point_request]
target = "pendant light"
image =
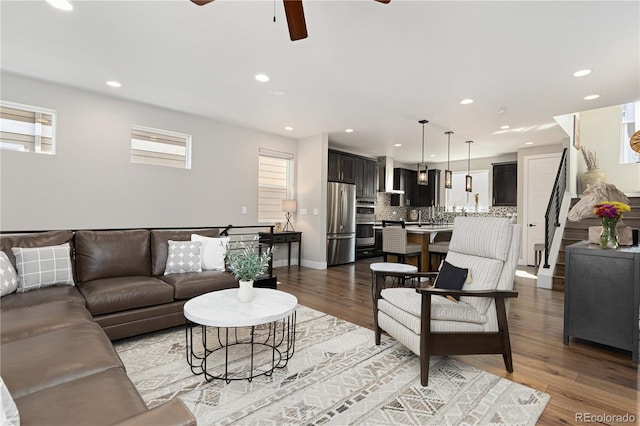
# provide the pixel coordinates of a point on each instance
(423, 177)
(447, 173)
(467, 178)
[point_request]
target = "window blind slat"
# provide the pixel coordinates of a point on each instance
(160, 147)
(273, 186)
(28, 129)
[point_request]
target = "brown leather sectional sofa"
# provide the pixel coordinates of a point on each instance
(56, 355)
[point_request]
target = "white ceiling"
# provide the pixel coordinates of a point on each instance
(372, 67)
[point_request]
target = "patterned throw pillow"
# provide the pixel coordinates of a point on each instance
(214, 251)
(8, 276)
(43, 266)
(184, 256)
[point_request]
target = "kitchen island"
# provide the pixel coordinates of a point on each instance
(421, 234)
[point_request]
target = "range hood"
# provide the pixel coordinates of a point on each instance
(385, 176)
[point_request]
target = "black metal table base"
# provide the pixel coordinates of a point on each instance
(276, 337)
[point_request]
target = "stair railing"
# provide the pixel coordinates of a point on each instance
(552, 217)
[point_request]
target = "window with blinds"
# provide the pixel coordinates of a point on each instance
(274, 185)
(160, 148)
(28, 129)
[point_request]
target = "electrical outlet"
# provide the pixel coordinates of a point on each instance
(315, 211)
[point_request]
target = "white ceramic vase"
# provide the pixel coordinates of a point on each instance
(245, 292)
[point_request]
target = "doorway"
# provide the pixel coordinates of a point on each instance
(539, 176)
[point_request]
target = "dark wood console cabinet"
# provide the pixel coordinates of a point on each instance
(602, 295)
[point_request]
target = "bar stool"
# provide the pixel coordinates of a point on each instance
(439, 247)
(538, 249)
(394, 242)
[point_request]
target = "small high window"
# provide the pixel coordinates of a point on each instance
(160, 147)
(27, 128)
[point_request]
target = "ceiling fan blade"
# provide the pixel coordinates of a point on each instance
(295, 19)
(201, 2)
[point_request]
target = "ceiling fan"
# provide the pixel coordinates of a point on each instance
(295, 16)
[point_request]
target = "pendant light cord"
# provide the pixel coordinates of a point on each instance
(423, 142)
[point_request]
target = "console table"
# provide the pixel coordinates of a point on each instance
(283, 238)
(602, 295)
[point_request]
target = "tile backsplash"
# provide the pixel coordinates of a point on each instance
(385, 211)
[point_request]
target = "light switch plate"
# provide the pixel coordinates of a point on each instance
(303, 211)
(244, 209)
(315, 211)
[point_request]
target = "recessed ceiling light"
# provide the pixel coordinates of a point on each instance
(528, 143)
(581, 73)
(591, 97)
(432, 155)
(397, 144)
(348, 130)
(288, 128)
(60, 4)
(278, 92)
(505, 127)
(466, 101)
(113, 83)
(263, 78)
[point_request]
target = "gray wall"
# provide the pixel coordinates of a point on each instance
(91, 183)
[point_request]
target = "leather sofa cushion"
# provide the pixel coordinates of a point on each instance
(31, 240)
(109, 295)
(41, 296)
(160, 245)
(108, 254)
(192, 284)
(22, 323)
(173, 412)
(49, 359)
(104, 398)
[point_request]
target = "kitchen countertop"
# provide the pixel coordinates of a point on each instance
(415, 228)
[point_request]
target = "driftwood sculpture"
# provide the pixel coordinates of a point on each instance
(593, 195)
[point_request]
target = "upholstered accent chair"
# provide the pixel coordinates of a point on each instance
(394, 242)
(429, 323)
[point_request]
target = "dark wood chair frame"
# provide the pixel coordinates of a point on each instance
(471, 343)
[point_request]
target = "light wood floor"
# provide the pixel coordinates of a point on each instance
(581, 377)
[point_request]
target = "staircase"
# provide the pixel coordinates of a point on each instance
(579, 231)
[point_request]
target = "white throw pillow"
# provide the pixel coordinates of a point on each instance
(8, 275)
(213, 251)
(43, 266)
(10, 414)
(184, 256)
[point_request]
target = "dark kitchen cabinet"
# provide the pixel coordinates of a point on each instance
(365, 178)
(341, 167)
(415, 195)
(505, 184)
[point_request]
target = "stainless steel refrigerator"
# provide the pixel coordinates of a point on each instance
(341, 223)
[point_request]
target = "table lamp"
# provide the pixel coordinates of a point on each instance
(289, 207)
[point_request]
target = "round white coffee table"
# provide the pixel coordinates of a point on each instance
(262, 331)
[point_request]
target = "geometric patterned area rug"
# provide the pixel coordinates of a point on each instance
(336, 376)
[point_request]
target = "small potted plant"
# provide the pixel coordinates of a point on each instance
(246, 263)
